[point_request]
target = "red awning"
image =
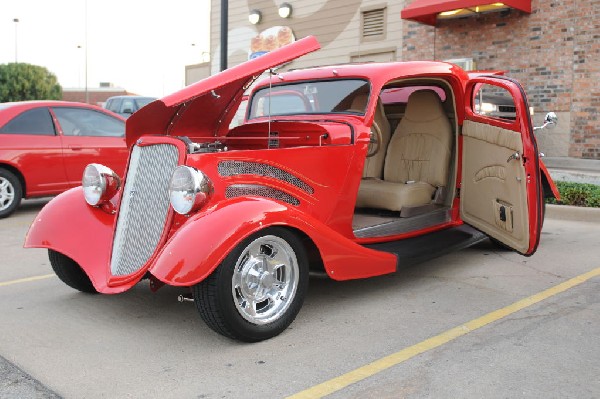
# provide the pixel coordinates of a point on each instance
(428, 11)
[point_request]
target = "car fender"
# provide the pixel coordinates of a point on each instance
(67, 224)
(550, 189)
(201, 244)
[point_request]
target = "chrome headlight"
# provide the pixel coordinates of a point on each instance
(99, 184)
(189, 189)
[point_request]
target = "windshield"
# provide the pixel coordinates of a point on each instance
(316, 97)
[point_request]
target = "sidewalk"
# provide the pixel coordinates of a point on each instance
(573, 169)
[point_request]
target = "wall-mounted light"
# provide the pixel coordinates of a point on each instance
(254, 17)
(285, 10)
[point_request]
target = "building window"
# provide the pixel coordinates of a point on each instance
(372, 24)
(465, 63)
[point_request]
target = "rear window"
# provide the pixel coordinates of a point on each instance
(399, 95)
(35, 121)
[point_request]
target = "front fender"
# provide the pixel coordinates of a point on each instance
(67, 224)
(201, 244)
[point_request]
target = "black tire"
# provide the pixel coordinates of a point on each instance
(220, 301)
(70, 272)
(11, 192)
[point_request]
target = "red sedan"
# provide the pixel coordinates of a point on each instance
(45, 146)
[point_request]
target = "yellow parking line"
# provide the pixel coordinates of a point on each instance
(361, 373)
(26, 280)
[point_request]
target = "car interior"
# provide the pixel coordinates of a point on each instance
(407, 180)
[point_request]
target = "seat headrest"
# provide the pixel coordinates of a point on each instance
(423, 105)
(359, 102)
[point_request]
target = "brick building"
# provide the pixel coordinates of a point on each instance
(552, 48)
(96, 95)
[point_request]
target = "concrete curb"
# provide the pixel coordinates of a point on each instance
(574, 213)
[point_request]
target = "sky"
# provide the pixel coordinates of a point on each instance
(141, 46)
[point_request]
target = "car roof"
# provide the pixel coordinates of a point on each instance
(10, 109)
(130, 96)
(377, 72)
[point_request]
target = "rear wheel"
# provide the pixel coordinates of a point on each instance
(258, 290)
(70, 272)
(11, 192)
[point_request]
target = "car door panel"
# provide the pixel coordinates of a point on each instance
(31, 146)
(87, 140)
(500, 181)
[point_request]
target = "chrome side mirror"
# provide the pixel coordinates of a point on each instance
(550, 121)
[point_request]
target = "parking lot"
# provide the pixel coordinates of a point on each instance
(453, 327)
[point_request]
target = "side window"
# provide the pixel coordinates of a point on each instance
(35, 122)
(494, 102)
(113, 104)
(85, 122)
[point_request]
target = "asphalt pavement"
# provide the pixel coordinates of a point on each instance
(446, 328)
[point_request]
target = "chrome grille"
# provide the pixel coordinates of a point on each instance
(241, 190)
(234, 168)
(144, 207)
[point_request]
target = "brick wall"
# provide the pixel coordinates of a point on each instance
(554, 52)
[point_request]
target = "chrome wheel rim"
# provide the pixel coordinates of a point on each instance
(7, 193)
(265, 280)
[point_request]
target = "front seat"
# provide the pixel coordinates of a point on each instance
(373, 167)
(417, 158)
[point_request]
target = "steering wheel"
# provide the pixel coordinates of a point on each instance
(376, 140)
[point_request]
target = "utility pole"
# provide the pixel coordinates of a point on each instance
(224, 30)
(16, 21)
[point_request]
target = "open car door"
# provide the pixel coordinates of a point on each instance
(501, 191)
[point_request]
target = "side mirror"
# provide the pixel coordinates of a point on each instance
(550, 121)
(128, 111)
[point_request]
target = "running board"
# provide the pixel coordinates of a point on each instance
(410, 251)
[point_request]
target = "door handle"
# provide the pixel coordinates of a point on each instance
(75, 147)
(516, 156)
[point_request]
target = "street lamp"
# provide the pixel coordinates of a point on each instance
(16, 21)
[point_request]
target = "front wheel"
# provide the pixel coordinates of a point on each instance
(258, 290)
(70, 273)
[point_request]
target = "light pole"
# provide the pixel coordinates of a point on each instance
(87, 94)
(16, 21)
(79, 47)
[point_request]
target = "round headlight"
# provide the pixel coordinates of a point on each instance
(189, 189)
(99, 184)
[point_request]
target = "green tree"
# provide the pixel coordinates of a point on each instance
(22, 82)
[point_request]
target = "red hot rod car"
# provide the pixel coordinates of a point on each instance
(351, 170)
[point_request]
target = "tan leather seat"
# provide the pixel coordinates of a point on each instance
(374, 165)
(417, 158)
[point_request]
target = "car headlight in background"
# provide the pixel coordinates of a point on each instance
(99, 183)
(486, 108)
(189, 189)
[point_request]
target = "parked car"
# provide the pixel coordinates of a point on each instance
(46, 145)
(127, 105)
(350, 170)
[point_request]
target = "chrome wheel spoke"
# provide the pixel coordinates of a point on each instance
(265, 279)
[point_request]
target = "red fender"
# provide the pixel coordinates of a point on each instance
(67, 224)
(547, 181)
(199, 246)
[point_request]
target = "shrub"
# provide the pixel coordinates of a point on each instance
(577, 194)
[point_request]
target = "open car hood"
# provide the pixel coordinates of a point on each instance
(200, 107)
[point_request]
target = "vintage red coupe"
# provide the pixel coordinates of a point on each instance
(350, 170)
